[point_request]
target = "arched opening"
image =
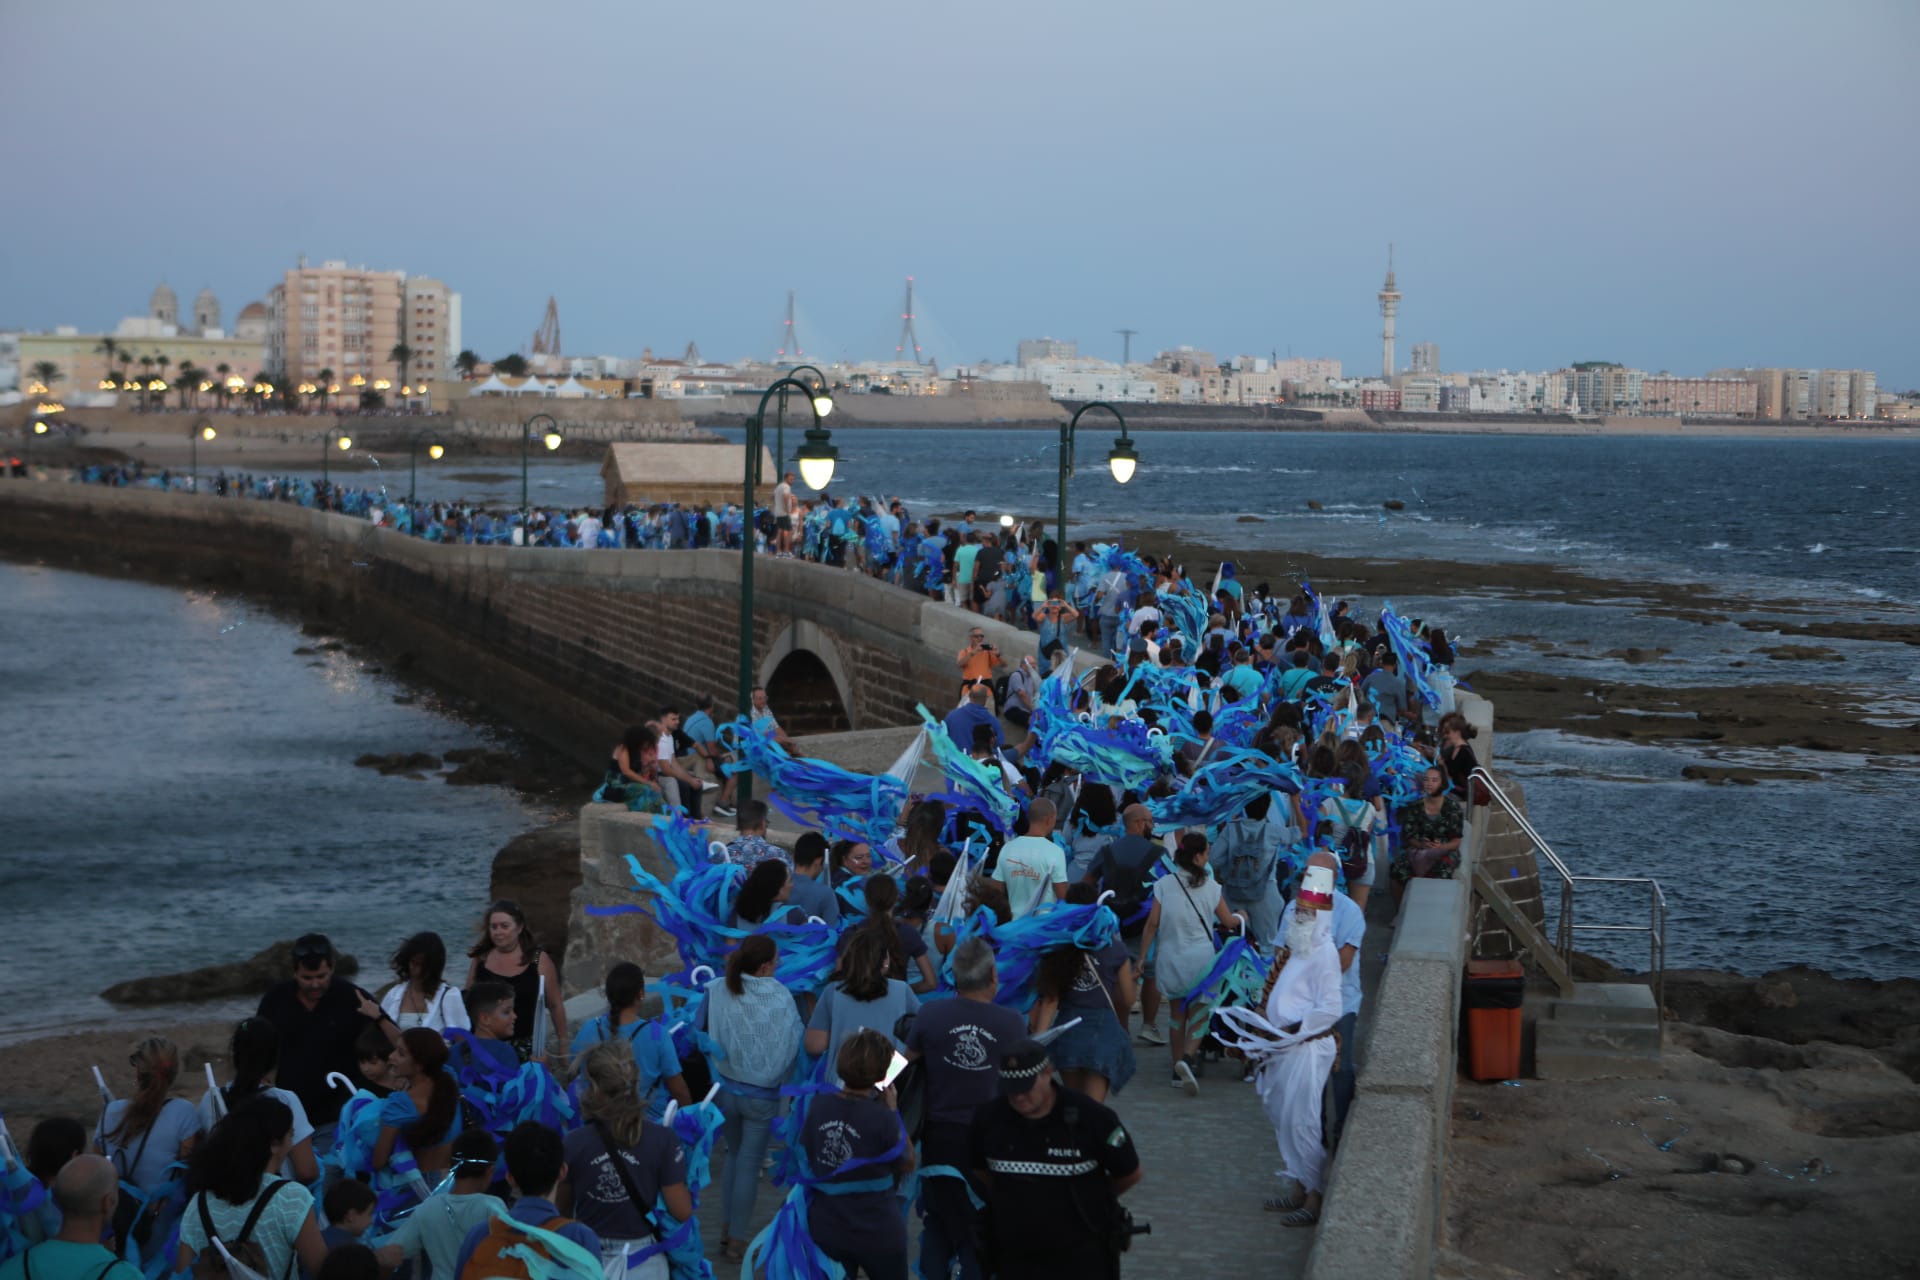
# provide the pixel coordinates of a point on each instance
(804, 696)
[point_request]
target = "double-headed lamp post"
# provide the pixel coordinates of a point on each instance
(435, 451)
(552, 440)
(822, 406)
(816, 458)
(1121, 460)
(202, 429)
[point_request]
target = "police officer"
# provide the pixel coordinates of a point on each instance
(1055, 1164)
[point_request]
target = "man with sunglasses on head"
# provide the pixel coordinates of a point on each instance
(319, 1016)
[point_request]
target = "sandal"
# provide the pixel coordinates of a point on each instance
(732, 1250)
(1285, 1204)
(1301, 1217)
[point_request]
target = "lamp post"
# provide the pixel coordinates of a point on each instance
(202, 429)
(1121, 460)
(551, 439)
(434, 451)
(817, 458)
(332, 438)
(822, 406)
(38, 427)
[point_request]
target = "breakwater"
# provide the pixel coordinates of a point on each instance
(571, 645)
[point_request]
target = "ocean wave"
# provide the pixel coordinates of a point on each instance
(1293, 471)
(1716, 546)
(1816, 548)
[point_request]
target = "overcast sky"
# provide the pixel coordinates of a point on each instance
(1673, 185)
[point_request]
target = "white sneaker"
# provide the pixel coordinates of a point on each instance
(1183, 1078)
(1150, 1034)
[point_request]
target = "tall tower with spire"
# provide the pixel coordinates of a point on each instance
(1389, 312)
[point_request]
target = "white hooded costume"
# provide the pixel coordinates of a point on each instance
(1294, 1065)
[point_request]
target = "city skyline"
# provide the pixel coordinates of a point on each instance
(1020, 212)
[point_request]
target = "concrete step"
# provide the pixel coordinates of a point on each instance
(1607, 1002)
(1551, 1063)
(1611, 1037)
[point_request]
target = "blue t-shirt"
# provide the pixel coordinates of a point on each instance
(699, 728)
(1244, 680)
(815, 897)
(962, 720)
(653, 1053)
(157, 1147)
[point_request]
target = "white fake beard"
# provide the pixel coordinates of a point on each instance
(1299, 936)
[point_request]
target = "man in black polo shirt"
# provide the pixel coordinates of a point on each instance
(318, 1017)
(1055, 1164)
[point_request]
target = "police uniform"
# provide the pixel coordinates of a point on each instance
(1052, 1211)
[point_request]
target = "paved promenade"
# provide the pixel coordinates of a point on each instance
(1209, 1162)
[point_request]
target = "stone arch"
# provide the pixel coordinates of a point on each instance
(806, 681)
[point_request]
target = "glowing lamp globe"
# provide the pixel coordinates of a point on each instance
(1122, 460)
(436, 451)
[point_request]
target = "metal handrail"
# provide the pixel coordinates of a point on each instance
(1567, 926)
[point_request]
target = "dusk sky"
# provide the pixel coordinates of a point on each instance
(1677, 186)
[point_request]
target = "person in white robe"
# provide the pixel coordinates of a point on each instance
(1289, 1038)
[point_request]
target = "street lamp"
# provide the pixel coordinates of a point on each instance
(435, 451)
(822, 406)
(817, 457)
(1121, 460)
(333, 439)
(37, 428)
(201, 430)
(551, 439)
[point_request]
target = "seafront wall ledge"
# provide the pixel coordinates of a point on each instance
(1386, 1189)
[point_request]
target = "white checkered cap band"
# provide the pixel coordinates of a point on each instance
(1025, 1073)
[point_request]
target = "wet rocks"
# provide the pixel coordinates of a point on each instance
(1394, 504)
(247, 977)
(400, 762)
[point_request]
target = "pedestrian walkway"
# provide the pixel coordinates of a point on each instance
(1209, 1162)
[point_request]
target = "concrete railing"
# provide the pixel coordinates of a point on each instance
(1386, 1187)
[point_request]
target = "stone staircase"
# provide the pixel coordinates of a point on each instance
(1603, 1029)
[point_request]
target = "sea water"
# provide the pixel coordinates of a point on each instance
(177, 789)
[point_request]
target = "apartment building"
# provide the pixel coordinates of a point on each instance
(336, 317)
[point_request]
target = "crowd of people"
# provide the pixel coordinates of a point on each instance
(918, 1013)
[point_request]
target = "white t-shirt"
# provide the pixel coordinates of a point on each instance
(1030, 866)
(302, 1127)
(783, 499)
(446, 1009)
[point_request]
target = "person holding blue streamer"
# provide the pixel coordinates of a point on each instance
(857, 1147)
(621, 1170)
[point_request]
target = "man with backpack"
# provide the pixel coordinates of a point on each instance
(85, 1191)
(1245, 860)
(1125, 865)
(536, 1161)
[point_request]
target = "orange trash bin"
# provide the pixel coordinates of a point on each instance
(1494, 991)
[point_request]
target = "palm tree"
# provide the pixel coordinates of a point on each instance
(46, 373)
(402, 355)
(221, 372)
(188, 381)
(325, 379)
(161, 362)
(466, 362)
(146, 376)
(514, 366)
(109, 349)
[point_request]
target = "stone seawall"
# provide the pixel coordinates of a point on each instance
(572, 645)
